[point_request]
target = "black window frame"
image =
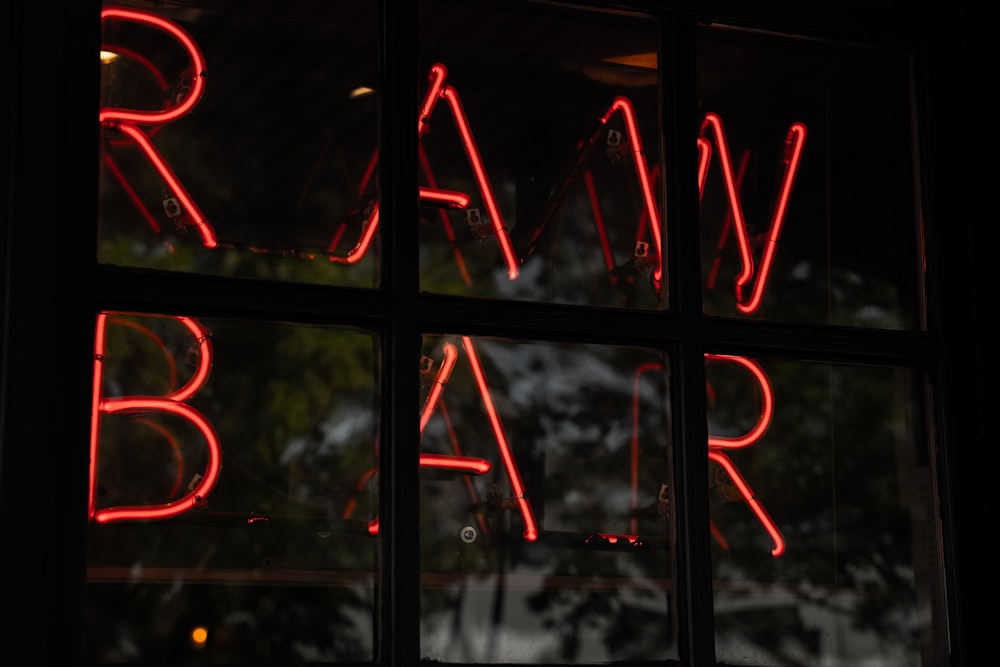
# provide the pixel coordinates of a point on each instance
(53, 288)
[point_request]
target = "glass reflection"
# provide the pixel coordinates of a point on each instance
(559, 550)
(546, 122)
(260, 546)
(842, 469)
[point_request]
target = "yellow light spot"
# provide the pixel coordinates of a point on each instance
(361, 91)
(199, 636)
(108, 56)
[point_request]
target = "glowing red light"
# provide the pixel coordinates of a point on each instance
(793, 143)
(449, 232)
(767, 409)
(527, 513)
(717, 443)
(469, 465)
(623, 106)
(127, 121)
(602, 235)
(132, 194)
(437, 89)
(440, 380)
(751, 500)
(357, 253)
(172, 403)
(450, 198)
(113, 114)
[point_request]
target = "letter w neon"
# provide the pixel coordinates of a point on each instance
(748, 303)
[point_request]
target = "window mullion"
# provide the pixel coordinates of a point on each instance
(679, 113)
(398, 638)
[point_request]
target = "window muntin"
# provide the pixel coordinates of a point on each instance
(562, 551)
(844, 470)
(831, 126)
(262, 166)
(544, 120)
(233, 491)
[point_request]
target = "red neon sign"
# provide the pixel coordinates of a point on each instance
(466, 465)
(794, 141)
(433, 401)
(174, 403)
(623, 106)
(438, 90)
(127, 121)
(716, 445)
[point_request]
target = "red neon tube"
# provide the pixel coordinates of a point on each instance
(440, 380)
(602, 234)
(624, 105)
(473, 496)
(449, 232)
(369, 172)
(794, 142)
(767, 409)
(527, 514)
(793, 152)
(170, 403)
(202, 337)
(112, 114)
(126, 121)
(469, 465)
(96, 390)
(148, 65)
(704, 157)
(208, 238)
(751, 500)
(713, 122)
(359, 487)
(437, 90)
(482, 178)
(450, 198)
(357, 253)
(436, 77)
(726, 223)
(148, 333)
(194, 497)
(132, 194)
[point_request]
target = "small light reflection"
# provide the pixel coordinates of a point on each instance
(361, 91)
(108, 56)
(643, 60)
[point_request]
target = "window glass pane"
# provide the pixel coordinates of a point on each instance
(233, 492)
(545, 530)
(258, 165)
(824, 515)
(539, 154)
(809, 207)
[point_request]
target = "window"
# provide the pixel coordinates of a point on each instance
(655, 369)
